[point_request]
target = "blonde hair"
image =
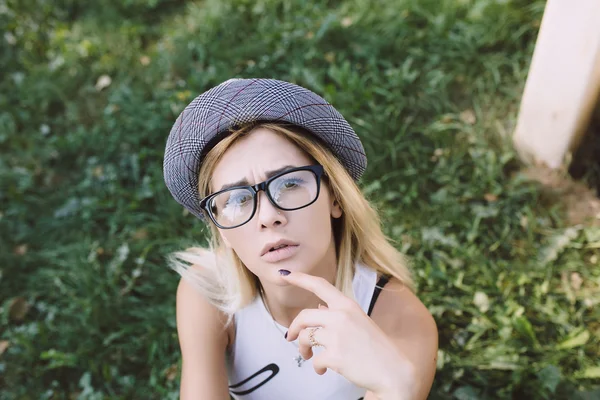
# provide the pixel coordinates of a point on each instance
(219, 274)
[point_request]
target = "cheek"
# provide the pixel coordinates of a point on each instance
(241, 241)
(314, 227)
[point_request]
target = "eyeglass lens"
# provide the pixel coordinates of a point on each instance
(293, 190)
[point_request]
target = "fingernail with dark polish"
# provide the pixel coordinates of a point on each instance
(285, 336)
(284, 272)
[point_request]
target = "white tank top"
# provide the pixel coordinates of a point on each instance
(261, 364)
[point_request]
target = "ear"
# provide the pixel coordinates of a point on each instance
(336, 209)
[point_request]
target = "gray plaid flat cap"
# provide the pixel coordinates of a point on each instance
(209, 117)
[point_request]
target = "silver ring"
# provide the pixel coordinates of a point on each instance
(311, 337)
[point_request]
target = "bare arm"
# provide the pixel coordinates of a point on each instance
(203, 341)
(402, 316)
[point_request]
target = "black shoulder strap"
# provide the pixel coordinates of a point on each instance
(378, 286)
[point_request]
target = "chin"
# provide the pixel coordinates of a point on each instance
(294, 265)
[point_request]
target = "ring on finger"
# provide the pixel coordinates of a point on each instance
(311, 337)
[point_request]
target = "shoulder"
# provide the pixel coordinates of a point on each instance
(196, 316)
(404, 318)
(398, 306)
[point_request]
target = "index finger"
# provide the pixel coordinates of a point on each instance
(319, 286)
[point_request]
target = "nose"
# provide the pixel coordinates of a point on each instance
(268, 215)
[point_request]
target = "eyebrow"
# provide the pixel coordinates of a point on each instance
(268, 174)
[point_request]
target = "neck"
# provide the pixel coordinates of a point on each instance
(285, 302)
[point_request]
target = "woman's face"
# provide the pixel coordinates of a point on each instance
(309, 228)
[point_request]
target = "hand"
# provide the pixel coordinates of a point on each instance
(355, 347)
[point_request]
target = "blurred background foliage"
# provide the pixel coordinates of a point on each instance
(88, 93)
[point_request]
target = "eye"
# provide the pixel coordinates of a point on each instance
(238, 200)
(291, 183)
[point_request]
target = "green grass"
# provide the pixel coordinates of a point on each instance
(432, 88)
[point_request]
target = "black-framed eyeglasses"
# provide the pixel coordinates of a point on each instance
(289, 190)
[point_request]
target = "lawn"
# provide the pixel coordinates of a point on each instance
(89, 91)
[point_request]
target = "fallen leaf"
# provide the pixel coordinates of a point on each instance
(524, 221)
(468, 117)
(407, 239)
(183, 95)
(21, 250)
(482, 301)
(140, 234)
(576, 280)
(18, 308)
(436, 154)
(171, 372)
(144, 60)
(447, 118)
(490, 197)
(10, 38)
(103, 82)
(3, 346)
(44, 129)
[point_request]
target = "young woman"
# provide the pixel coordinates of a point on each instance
(287, 303)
